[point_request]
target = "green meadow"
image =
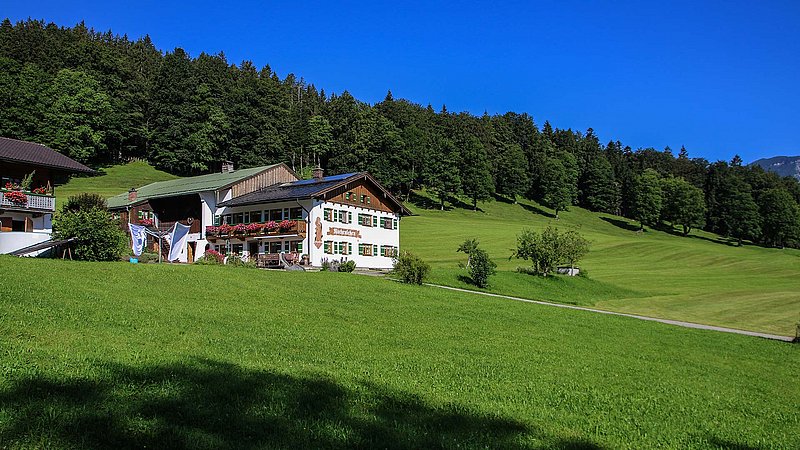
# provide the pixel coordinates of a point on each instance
(699, 278)
(116, 355)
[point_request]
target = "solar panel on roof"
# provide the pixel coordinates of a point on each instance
(323, 180)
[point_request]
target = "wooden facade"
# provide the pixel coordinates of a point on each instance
(362, 193)
(275, 175)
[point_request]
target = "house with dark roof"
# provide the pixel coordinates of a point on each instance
(335, 218)
(267, 214)
(28, 174)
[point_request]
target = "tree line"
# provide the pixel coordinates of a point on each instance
(103, 98)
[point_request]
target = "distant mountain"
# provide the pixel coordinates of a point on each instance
(782, 165)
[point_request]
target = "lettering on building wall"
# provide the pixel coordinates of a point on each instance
(349, 232)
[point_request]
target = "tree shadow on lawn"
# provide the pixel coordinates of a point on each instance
(423, 202)
(210, 404)
(538, 210)
(624, 224)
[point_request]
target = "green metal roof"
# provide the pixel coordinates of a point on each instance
(189, 185)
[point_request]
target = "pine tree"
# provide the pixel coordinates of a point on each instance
(780, 217)
(559, 179)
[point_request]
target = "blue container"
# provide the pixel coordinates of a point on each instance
(135, 260)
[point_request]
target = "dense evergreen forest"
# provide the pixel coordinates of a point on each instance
(103, 98)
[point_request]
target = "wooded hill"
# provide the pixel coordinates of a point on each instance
(102, 98)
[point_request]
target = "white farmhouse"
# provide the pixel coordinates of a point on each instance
(268, 215)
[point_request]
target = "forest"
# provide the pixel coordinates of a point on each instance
(103, 98)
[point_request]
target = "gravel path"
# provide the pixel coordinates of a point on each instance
(652, 319)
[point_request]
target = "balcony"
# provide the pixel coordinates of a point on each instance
(258, 230)
(26, 201)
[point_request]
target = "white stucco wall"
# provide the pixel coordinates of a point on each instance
(366, 235)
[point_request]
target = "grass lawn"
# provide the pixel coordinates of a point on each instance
(113, 180)
(699, 278)
(121, 355)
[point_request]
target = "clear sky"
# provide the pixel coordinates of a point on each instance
(718, 77)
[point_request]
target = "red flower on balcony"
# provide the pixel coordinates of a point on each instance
(147, 222)
(40, 191)
(238, 228)
(254, 227)
(16, 197)
(286, 225)
(271, 225)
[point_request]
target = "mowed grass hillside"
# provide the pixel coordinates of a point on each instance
(117, 355)
(113, 180)
(699, 278)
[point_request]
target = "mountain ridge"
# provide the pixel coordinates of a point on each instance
(785, 166)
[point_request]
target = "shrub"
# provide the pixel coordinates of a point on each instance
(98, 235)
(411, 268)
(211, 258)
(326, 265)
(84, 202)
(481, 267)
(235, 261)
(347, 266)
(468, 247)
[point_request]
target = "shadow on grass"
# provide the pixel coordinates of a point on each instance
(624, 224)
(719, 240)
(423, 202)
(537, 210)
(209, 404)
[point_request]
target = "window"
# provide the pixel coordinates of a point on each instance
(388, 251)
(328, 246)
(276, 215)
(296, 246)
(327, 214)
(275, 247)
(363, 197)
(347, 195)
(296, 214)
(365, 220)
(217, 220)
(226, 219)
(387, 222)
(255, 216)
(366, 249)
(368, 200)
(237, 249)
(237, 218)
(345, 216)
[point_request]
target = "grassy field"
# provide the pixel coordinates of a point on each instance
(700, 278)
(119, 355)
(113, 180)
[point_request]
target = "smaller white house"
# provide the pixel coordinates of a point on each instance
(337, 218)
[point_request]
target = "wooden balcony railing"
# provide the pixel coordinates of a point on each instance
(34, 202)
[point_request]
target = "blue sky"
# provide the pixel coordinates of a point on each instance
(718, 77)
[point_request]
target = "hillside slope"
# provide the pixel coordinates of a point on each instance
(699, 278)
(113, 180)
(785, 166)
(116, 355)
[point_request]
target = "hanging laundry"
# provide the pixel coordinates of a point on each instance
(178, 239)
(138, 238)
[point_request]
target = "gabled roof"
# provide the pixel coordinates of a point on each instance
(39, 155)
(305, 189)
(188, 185)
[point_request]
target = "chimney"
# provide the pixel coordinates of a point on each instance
(132, 194)
(317, 172)
(227, 166)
